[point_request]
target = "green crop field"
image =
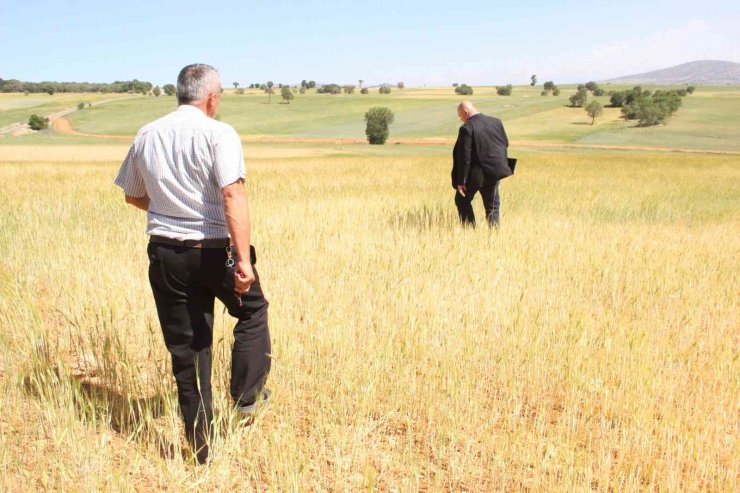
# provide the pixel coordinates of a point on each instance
(708, 119)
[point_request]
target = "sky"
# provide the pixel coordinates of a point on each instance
(430, 43)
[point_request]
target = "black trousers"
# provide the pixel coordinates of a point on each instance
(185, 282)
(491, 202)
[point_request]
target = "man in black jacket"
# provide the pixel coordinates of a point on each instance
(479, 161)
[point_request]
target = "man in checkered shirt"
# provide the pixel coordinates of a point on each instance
(186, 170)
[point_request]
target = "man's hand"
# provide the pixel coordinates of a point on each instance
(462, 189)
(243, 276)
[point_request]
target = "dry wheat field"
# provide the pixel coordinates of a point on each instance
(589, 345)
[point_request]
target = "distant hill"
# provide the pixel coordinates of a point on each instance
(705, 72)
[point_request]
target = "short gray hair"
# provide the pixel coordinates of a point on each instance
(195, 82)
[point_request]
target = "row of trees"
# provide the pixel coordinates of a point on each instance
(647, 107)
(52, 87)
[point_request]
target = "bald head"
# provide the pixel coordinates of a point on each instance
(465, 110)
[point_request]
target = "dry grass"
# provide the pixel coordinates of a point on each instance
(591, 344)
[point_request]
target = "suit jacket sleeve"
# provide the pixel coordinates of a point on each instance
(465, 145)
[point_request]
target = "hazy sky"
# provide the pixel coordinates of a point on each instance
(420, 43)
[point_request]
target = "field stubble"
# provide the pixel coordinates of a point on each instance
(591, 344)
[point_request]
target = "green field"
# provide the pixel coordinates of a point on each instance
(708, 119)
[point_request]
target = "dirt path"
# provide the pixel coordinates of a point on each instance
(63, 126)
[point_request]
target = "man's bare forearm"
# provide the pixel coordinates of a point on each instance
(236, 210)
(139, 202)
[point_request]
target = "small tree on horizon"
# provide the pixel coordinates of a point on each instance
(594, 109)
(378, 120)
(269, 91)
(236, 85)
(579, 99)
(287, 94)
(533, 80)
(169, 89)
(464, 90)
(504, 90)
(364, 90)
(401, 85)
(156, 91)
(384, 89)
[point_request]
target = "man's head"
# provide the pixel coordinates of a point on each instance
(199, 85)
(465, 110)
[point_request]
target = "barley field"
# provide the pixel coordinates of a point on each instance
(591, 344)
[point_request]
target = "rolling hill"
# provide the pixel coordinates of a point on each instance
(705, 72)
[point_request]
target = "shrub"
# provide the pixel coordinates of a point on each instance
(157, 91)
(384, 89)
(349, 89)
(80, 105)
(455, 84)
(169, 89)
(464, 90)
(378, 120)
(239, 90)
(545, 93)
(329, 89)
(599, 92)
(578, 99)
(690, 89)
(504, 90)
(364, 91)
(556, 91)
(38, 123)
(302, 90)
(617, 99)
(401, 85)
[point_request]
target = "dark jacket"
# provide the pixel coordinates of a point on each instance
(480, 151)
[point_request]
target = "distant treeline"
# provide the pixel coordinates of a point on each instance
(51, 87)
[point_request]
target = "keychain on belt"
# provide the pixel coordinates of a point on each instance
(230, 267)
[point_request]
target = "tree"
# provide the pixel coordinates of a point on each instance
(384, 89)
(378, 120)
(270, 84)
(400, 85)
(329, 89)
(579, 99)
(690, 89)
(617, 99)
(594, 109)
(236, 85)
(360, 82)
(455, 84)
(591, 86)
(311, 84)
(287, 94)
(302, 90)
(364, 91)
(464, 90)
(269, 91)
(534, 80)
(169, 89)
(348, 89)
(556, 91)
(156, 91)
(599, 92)
(504, 90)
(38, 123)
(549, 85)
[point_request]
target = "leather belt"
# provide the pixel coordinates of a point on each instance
(204, 243)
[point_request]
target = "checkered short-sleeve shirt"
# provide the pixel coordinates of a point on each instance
(182, 162)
